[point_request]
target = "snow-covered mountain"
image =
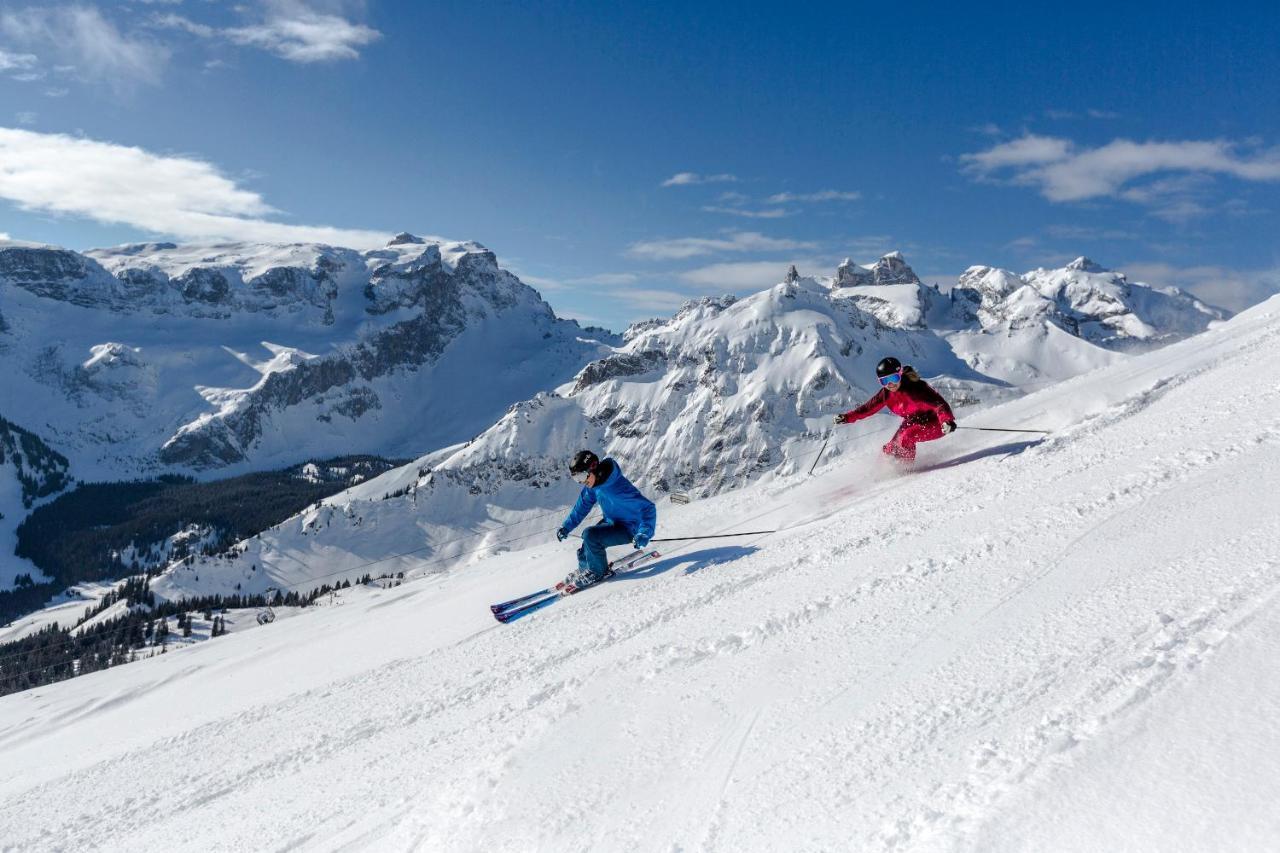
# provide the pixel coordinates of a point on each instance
(243, 356)
(725, 392)
(228, 358)
(1044, 325)
(1064, 644)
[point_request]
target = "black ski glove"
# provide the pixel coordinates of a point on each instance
(843, 418)
(562, 534)
(948, 427)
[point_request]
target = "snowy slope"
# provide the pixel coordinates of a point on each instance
(1021, 645)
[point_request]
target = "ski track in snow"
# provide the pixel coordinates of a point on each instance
(910, 654)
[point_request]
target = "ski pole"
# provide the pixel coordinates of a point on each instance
(715, 536)
(1000, 429)
(820, 452)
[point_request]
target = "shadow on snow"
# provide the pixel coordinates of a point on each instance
(1013, 448)
(693, 562)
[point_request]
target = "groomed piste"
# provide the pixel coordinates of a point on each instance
(1021, 644)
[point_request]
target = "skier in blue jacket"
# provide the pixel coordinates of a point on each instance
(628, 516)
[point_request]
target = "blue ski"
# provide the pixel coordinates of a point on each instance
(525, 604)
(507, 605)
(505, 616)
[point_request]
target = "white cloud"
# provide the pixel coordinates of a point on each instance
(26, 117)
(691, 247)
(305, 36)
(117, 184)
(821, 195)
(178, 22)
(1023, 244)
(290, 29)
(685, 179)
(1085, 232)
(745, 275)
(536, 281)
(1026, 151)
(1065, 115)
(582, 319)
(607, 279)
(56, 93)
(653, 299)
(1233, 289)
(1064, 172)
(872, 246)
(16, 61)
(772, 213)
(94, 46)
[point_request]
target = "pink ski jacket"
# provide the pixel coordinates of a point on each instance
(914, 400)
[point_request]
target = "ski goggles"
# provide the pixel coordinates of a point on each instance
(580, 476)
(891, 379)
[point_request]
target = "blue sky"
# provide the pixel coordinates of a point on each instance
(624, 158)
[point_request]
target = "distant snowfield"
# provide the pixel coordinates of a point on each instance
(1068, 644)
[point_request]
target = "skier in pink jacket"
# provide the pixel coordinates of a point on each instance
(925, 415)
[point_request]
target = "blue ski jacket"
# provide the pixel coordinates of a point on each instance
(619, 501)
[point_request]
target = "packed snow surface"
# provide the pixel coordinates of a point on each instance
(1061, 643)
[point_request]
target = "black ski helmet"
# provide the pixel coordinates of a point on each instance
(887, 367)
(583, 461)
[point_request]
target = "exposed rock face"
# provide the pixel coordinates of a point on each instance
(849, 274)
(890, 269)
(980, 293)
(56, 274)
(619, 365)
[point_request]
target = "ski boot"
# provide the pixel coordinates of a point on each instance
(580, 579)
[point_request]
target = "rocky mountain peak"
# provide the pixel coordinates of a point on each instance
(893, 269)
(849, 274)
(890, 269)
(404, 237)
(1083, 264)
(793, 275)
